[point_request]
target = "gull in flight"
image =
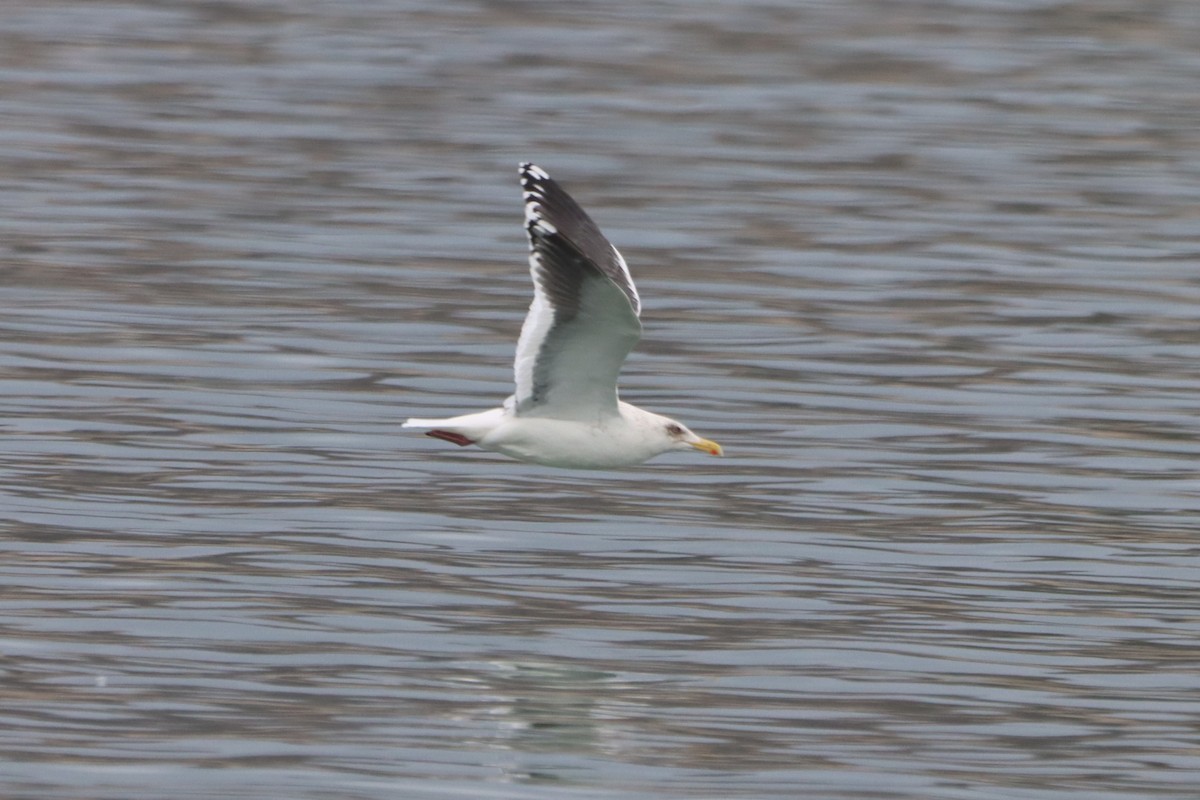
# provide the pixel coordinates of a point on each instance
(583, 322)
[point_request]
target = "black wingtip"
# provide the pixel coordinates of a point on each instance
(556, 224)
(532, 174)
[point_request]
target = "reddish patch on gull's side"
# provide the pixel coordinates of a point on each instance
(450, 436)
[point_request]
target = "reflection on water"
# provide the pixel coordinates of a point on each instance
(930, 272)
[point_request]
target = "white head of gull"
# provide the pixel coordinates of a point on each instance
(565, 411)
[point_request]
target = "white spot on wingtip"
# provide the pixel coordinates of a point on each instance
(534, 219)
(534, 171)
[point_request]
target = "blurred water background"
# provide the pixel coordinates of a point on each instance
(929, 270)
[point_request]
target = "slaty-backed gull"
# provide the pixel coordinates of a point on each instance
(582, 323)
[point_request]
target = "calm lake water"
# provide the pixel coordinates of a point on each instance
(930, 271)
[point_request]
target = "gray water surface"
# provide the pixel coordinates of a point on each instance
(929, 271)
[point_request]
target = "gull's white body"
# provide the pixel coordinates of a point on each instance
(630, 437)
(583, 322)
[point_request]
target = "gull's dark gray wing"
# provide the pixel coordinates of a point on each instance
(584, 316)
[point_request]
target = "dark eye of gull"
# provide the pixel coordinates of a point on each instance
(674, 430)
